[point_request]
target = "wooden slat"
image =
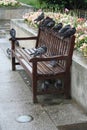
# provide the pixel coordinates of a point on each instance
(23, 62)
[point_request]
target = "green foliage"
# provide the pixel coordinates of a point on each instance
(55, 5)
(82, 41)
(70, 4)
(35, 3)
(76, 4)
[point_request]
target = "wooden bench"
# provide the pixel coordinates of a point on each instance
(40, 68)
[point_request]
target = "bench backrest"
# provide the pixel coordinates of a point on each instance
(57, 46)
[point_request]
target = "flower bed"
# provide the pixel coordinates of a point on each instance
(74, 21)
(9, 3)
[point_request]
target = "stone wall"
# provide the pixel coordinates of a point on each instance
(79, 79)
(8, 13)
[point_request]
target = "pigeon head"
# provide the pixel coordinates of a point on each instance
(44, 47)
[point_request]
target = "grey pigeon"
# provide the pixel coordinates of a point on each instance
(58, 84)
(39, 51)
(13, 36)
(13, 33)
(45, 22)
(50, 24)
(16, 43)
(53, 63)
(45, 85)
(40, 17)
(57, 27)
(62, 30)
(69, 33)
(8, 51)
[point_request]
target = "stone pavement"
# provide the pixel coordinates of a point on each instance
(16, 100)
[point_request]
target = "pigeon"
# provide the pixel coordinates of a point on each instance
(57, 27)
(53, 63)
(13, 33)
(40, 17)
(58, 83)
(62, 30)
(50, 24)
(16, 43)
(8, 51)
(69, 33)
(39, 51)
(45, 22)
(45, 85)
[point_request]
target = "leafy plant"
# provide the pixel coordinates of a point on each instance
(55, 5)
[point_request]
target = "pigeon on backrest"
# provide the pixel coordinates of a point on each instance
(40, 17)
(50, 24)
(57, 27)
(69, 33)
(45, 22)
(62, 30)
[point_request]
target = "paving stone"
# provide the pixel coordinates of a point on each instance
(11, 111)
(68, 112)
(14, 91)
(10, 76)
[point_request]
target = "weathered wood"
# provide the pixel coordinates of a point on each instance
(40, 68)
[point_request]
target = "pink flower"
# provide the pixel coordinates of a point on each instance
(66, 10)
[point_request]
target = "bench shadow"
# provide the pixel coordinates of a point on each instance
(48, 99)
(77, 126)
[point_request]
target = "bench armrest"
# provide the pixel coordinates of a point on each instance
(39, 59)
(24, 38)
